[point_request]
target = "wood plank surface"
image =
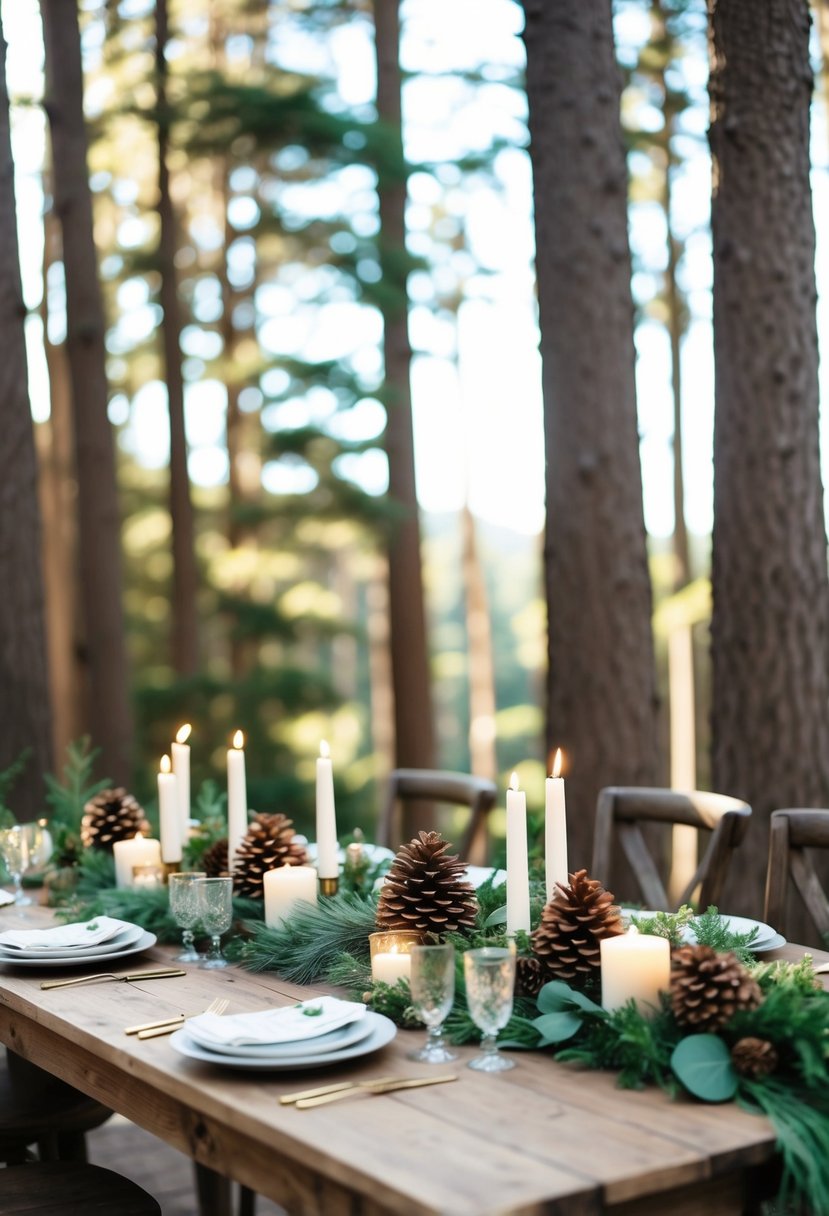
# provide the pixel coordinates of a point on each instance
(542, 1138)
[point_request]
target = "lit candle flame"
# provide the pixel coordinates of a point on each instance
(557, 763)
(633, 931)
(325, 750)
(183, 733)
(165, 764)
(138, 836)
(513, 781)
(238, 740)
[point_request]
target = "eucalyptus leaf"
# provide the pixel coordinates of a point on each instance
(702, 1062)
(556, 1027)
(498, 917)
(557, 996)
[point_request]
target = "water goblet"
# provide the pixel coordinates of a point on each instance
(184, 908)
(15, 853)
(432, 985)
(215, 907)
(490, 982)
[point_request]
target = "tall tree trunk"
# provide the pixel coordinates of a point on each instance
(601, 700)
(98, 513)
(413, 722)
(185, 641)
(770, 587)
(24, 686)
(482, 755)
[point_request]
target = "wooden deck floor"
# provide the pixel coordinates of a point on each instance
(163, 1171)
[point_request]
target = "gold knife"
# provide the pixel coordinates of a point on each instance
(172, 1021)
(374, 1087)
(131, 977)
(289, 1099)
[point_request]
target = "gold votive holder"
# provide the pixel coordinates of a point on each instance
(149, 876)
(390, 951)
(329, 886)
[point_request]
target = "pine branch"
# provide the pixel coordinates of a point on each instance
(313, 937)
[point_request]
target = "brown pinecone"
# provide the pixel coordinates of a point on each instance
(576, 919)
(112, 815)
(214, 859)
(754, 1058)
(529, 976)
(426, 891)
(269, 844)
(708, 988)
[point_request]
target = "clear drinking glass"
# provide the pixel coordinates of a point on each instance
(15, 852)
(184, 908)
(214, 897)
(490, 983)
(432, 984)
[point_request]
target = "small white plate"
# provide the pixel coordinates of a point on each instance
(767, 938)
(773, 943)
(335, 1040)
(6, 897)
(79, 960)
(124, 937)
(382, 1032)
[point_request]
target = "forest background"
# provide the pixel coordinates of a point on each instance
(236, 161)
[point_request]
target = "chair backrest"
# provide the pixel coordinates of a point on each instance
(793, 831)
(621, 810)
(408, 785)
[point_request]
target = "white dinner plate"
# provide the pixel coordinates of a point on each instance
(382, 1032)
(77, 959)
(335, 1040)
(124, 937)
(773, 943)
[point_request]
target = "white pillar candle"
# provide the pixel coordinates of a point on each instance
(518, 874)
(237, 797)
(555, 830)
(284, 888)
(390, 966)
(635, 966)
(181, 769)
(328, 865)
(168, 816)
(139, 851)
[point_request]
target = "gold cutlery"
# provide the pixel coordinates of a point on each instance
(384, 1085)
(131, 977)
(152, 1030)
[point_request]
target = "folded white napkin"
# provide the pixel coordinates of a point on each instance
(70, 937)
(288, 1025)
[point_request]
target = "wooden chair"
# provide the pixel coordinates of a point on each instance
(409, 785)
(793, 831)
(621, 811)
(36, 1109)
(60, 1188)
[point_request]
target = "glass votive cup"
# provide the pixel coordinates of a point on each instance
(390, 954)
(147, 877)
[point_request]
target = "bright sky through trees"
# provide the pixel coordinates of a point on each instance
(476, 383)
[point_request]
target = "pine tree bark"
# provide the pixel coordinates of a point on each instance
(414, 738)
(98, 511)
(185, 640)
(601, 700)
(24, 687)
(770, 731)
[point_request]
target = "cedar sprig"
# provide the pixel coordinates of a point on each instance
(672, 925)
(312, 938)
(625, 1041)
(68, 797)
(710, 929)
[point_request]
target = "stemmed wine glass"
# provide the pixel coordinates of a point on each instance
(432, 984)
(215, 907)
(490, 982)
(15, 852)
(184, 908)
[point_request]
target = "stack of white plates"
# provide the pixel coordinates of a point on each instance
(766, 938)
(100, 940)
(358, 1033)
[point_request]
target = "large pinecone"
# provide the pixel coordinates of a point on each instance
(214, 859)
(110, 816)
(576, 919)
(708, 988)
(426, 891)
(269, 844)
(754, 1058)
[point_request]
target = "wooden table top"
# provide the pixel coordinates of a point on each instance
(540, 1138)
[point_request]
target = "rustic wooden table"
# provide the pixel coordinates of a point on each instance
(539, 1139)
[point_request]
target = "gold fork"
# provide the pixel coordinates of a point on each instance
(151, 1030)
